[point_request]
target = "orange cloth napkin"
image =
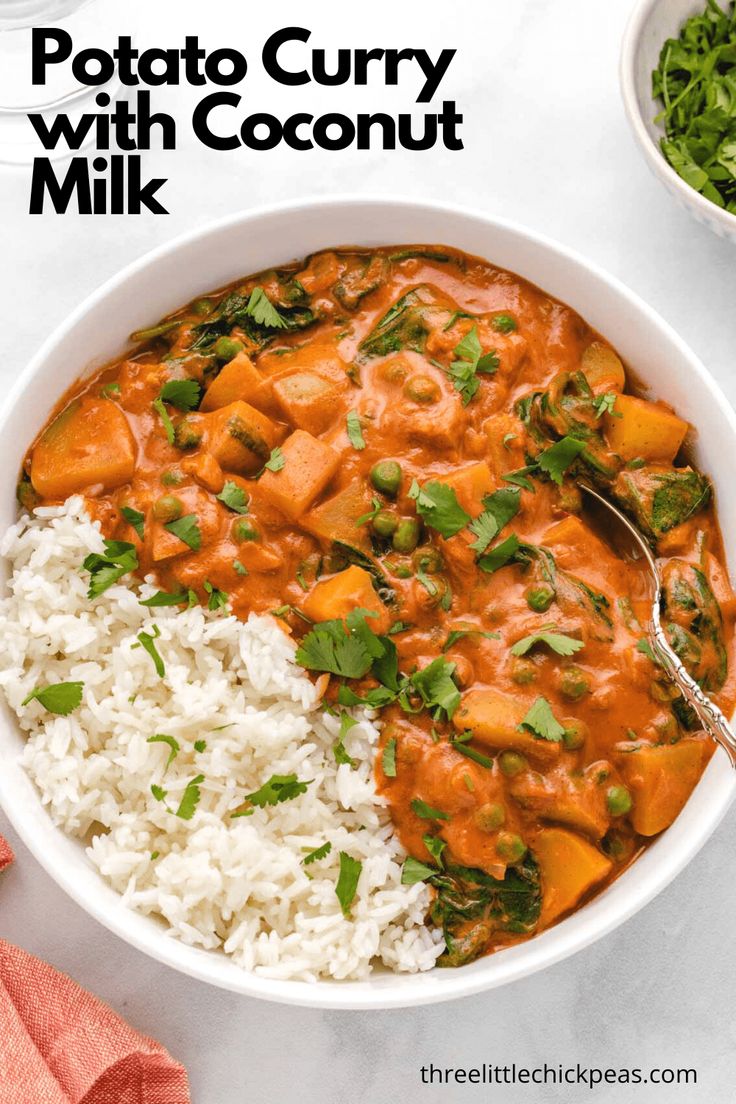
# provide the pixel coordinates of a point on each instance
(61, 1045)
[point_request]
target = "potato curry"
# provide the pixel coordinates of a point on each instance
(382, 450)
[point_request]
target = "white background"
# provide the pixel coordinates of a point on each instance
(546, 143)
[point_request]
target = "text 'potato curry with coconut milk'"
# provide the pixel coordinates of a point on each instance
(381, 449)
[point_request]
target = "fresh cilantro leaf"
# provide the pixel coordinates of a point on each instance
(427, 812)
(319, 853)
(377, 698)
(146, 641)
(234, 497)
(388, 759)
(376, 507)
(435, 846)
(438, 506)
(187, 530)
(163, 414)
(339, 750)
(605, 404)
(435, 686)
(218, 598)
(239, 568)
(499, 508)
(558, 457)
(184, 394)
(161, 738)
(134, 518)
(341, 648)
(520, 477)
(414, 871)
(106, 569)
(355, 430)
(558, 642)
(278, 788)
(158, 792)
(263, 312)
(500, 555)
(429, 584)
(503, 323)
(399, 627)
(276, 460)
(542, 722)
(464, 371)
(200, 745)
(164, 598)
(61, 698)
(460, 634)
(347, 882)
(190, 798)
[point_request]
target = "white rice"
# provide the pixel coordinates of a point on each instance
(237, 885)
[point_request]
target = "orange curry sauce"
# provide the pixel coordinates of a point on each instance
(568, 811)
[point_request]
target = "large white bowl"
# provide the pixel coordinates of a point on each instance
(651, 23)
(216, 254)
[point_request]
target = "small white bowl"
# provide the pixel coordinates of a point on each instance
(652, 22)
(217, 254)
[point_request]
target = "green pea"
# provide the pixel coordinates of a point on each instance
(244, 530)
(511, 763)
(172, 478)
(168, 508)
(618, 800)
(490, 816)
(225, 348)
(540, 598)
(386, 477)
(427, 560)
(422, 389)
(522, 670)
(406, 537)
(201, 306)
(385, 523)
(574, 683)
(574, 736)
(510, 847)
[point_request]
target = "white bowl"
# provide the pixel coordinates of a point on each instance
(651, 23)
(213, 256)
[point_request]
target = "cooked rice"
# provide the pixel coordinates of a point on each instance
(237, 885)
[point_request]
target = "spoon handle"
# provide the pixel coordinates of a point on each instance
(708, 713)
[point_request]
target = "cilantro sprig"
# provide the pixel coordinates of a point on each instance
(470, 361)
(106, 569)
(263, 312)
(277, 789)
(498, 510)
(61, 698)
(437, 505)
(557, 642)
(541, 722)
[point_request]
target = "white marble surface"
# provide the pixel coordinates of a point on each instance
(547, 144)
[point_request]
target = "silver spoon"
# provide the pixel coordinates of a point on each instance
(708, 713)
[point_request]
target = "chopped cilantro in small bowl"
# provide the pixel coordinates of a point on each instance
(678, 78)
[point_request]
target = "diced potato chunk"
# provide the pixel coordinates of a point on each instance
(308, 401)
(240, 438)
(644, 429)
(309, 465)
(494, 720)
(470, 485)
(578, 540)
(661, 779)
(334, 519)
(239, 379)
(569, 866)
(334, 598)
(602, 368)
(90, 443)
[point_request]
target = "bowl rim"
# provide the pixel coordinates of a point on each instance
(656, 160)
(597, 918)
